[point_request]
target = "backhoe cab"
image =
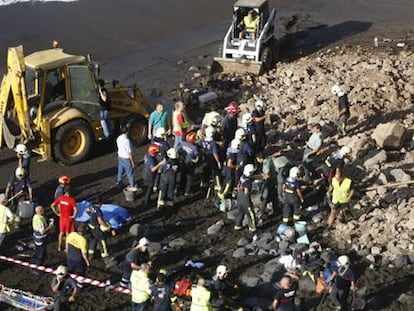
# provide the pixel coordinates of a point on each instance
(252, 53)
(49, 99)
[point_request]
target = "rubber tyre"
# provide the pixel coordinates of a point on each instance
(73, 142)
(266, 58)
(137, 130)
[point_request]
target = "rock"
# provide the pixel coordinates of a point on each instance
(215, 228)
(263, 80)
(178, 242)
(239, 253)
(291, 120)
(389, 136)
(231, 215)
(376, 250)
(399, 175)
(271, 269)
(406, 299)
(401, 261)
(181, 62)
(250, 278)
(370, 258)
(410, 224)
(137, 230)
(375, 158)
(193, 69)
(242, 242)
(154, 248)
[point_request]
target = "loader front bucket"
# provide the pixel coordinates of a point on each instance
(233, 65)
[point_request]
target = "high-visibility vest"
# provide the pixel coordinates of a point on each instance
(140, 286)
(251, 25)
(200, 299)
(4, 227)
(39, 221)
(341, 190)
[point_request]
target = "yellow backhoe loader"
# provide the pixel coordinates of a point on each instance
(49, 100)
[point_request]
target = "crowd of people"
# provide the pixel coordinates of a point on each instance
(226, 154)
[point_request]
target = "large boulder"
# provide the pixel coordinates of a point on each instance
(375, 158)
(389, 135)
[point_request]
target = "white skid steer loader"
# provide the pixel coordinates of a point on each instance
(249, 50)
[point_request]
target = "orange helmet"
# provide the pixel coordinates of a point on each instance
(191, 137)
(153, 149)
(64, 180)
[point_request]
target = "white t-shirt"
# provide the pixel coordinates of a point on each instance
(124, 146)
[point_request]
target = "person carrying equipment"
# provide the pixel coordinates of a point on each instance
(64, 288)
(244, 199)
(341, 190)
(151, 167)
(335, 161)
(200, 297)
(77, 252)
(65, 208)
(41, 229)
(190, 158)
(18, 189)
(343, 109)
(229, 125)
(292, 196)
(134, 258)
(60, 189)
(229, 171)
(212, 165)
(24, 158)
(343, 281)
(162, 293)
(141, 288)
(259, 117)
(168, 179)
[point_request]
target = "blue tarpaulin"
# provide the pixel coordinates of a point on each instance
(113, 214)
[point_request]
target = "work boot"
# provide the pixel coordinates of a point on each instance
(238, 228)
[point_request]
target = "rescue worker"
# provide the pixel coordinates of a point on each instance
(229, 170)
(168, 179)
(105, 106)
(343, 109)
(141, 288)
(24, 158)
(162, 293)
(190, 158)
(212, 165)
(180, 124)
(19, 188)
(284, 299)
(41, 229)
(65, 208)
(343, 280)
(212, 118)
(292, 196)
(77, 252)
(258, 115)
(98, 228)
(335, 161)
(313, 146)
(125, 158)
(151, 167)
(60, 189)
(6, 216)
(200, 297)
(341, 190)
(134, 258)
(249, 25)
(64, 289)
(250, 128)
(244, 199)
(229, 124)
(159, 118)
(222, 291)
(246, 154)
(159, 139)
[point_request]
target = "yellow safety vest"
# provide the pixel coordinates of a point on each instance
(200, 299)
(251, 25)
(140, 286)
(341, 190)
(4, 227)
(39, 222)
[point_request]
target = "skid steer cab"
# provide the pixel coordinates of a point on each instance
(250, 44)
(49, 100)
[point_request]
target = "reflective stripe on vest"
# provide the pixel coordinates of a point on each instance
(341, 190)
(250, 25)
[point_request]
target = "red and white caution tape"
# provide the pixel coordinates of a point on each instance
(78, 278)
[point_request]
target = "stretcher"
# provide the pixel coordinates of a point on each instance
(24, 300)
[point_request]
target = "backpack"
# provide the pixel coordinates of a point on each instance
(182, 287)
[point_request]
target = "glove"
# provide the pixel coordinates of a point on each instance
(71, 298)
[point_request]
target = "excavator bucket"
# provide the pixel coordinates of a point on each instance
(233, 65)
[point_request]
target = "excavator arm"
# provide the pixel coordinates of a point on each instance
(13, 99)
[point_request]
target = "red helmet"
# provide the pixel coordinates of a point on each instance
(64, 180)
(232, 108)
(191, 137)
(153, 149)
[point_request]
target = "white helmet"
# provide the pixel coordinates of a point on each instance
(19, 172)
(172, 153)
(21, 149)
(216, 122)
(294, 172)
(235, 144)
(240, 134)
(210, 132)
(344, 261)
(335, 89)
(247, 118)
(61, 270)
(221, 270)
(259, 104)
(143, 242)
(344, 151)
(288, 234)
(160, 132)
(248, 170)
